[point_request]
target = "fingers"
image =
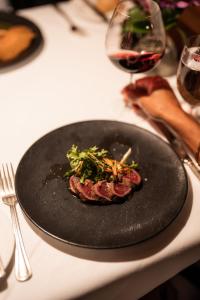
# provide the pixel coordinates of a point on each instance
(144, 87)
(152, 83)
(131, 94)
(153, 95)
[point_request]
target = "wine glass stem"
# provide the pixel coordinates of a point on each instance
(131, 77)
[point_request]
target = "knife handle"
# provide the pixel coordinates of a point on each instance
(195, 168)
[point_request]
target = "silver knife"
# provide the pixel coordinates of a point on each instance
(178, 147)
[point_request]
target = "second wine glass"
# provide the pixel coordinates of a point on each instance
(188, 74)
(135, 40)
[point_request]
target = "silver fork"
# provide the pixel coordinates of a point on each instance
(22, 266)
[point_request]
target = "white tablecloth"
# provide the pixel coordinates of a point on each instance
(73, 80)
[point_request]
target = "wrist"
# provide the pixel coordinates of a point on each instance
(175, 117)
(187, 128)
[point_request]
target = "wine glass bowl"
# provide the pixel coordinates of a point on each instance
(188, 74)
(135, 40)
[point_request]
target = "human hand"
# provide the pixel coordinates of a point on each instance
(154, 96)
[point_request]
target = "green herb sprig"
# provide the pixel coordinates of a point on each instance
(95, 164)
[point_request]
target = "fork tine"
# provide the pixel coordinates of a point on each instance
(1, 181)
(10, 177)
(4, 180)
(13, 174)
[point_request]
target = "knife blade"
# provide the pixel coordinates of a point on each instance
(96, 10)
(178, 147)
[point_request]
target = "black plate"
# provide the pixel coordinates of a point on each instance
(45, 199)
(7, 20)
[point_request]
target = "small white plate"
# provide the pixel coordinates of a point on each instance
(6, 238)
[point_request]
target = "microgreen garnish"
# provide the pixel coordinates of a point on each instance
(95, 164)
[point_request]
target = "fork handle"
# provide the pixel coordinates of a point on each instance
(22, 266)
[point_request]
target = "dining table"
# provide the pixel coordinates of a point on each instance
(71, 79)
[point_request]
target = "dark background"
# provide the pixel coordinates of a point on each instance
(19, 4)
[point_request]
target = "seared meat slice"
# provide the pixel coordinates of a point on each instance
(73, 181)
(104, 189)
(120, 189)
(86, 190)
(131, 178)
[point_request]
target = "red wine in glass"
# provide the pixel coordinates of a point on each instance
(188, 78)
(135, 40)
(188, 74)
(135, 62)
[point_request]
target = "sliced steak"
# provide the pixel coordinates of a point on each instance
(120, 189)
(131, 178)
(73, 181)
(86, 190)
(104, 189)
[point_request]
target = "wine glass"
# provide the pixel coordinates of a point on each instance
(135, 40)
(188, 74)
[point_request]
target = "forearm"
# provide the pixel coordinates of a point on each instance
(161, 103)
(186, 127)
